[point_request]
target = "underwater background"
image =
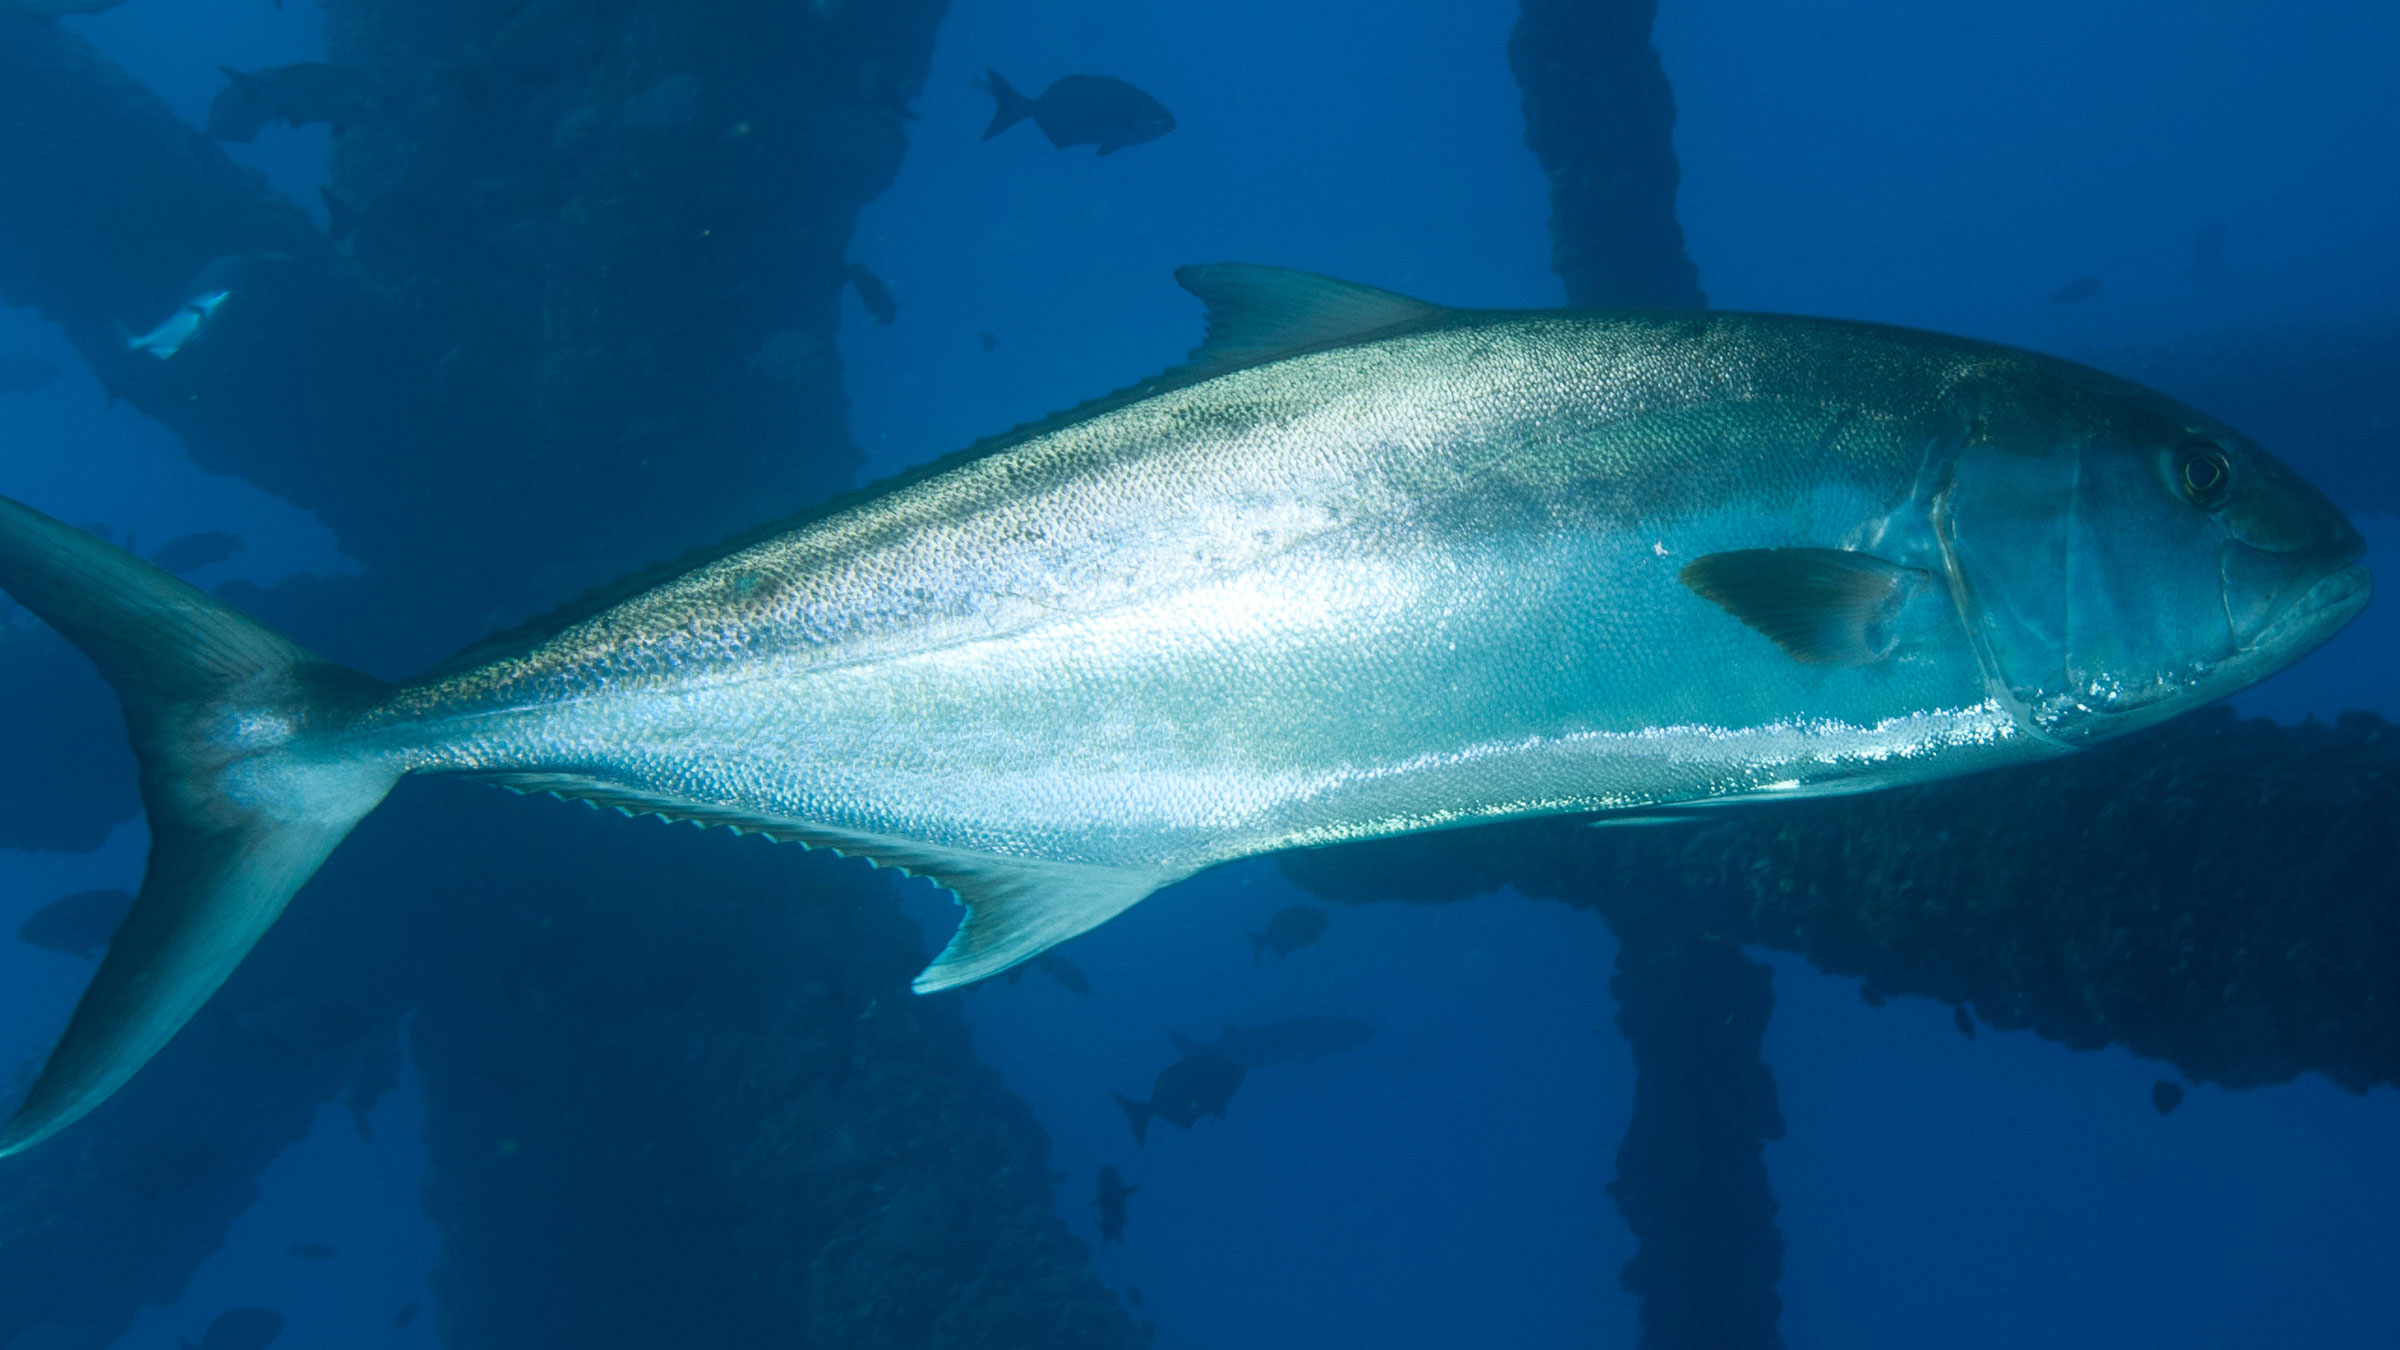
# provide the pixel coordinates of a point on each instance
(2097, 1053)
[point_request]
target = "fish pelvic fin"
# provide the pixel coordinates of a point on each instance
(1137, 1114)
(226, 716)
(1010, 107)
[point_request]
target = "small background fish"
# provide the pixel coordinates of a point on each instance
(1202, 1083)
(2079, 290)
(297, 95)
(1095, 110)
(77, 925)
(1110, 1201)
(1291, 928)
(871, 292)
(242, 1329)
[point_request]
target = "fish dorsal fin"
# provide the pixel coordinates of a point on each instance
(1184, 1045)
(1258, 313)
(1823, 606)
(1017, 908)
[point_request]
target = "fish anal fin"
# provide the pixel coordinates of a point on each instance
(1017, 908)
(1258, 313)
(634, 802)
(1823, 606)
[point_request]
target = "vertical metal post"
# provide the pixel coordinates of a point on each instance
(1691, 1174)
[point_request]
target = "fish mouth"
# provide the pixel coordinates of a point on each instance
(2320, 612)
(2323, 610)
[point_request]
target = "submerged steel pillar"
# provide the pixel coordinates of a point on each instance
(1600, 116)
(1691, 1175)
(581, 318)
(1691, 1181)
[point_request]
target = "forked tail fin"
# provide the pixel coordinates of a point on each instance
(1137, 1114)
(227, 719)
(1010, 107)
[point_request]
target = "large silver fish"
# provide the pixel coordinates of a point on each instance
(1364, 566)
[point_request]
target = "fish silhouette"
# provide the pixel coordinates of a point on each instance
(1292, 927)
(1096, 110)
(1200, 1084)
(1110, 1201)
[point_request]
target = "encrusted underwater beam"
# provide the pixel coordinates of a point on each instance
(1691, 1174)
(109, 202)
(678, 1093)
(2219, 894)
(629, 223)
(583, 317)
(119, 1211)
(1600, 116)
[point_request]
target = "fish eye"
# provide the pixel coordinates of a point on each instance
(2204, 474)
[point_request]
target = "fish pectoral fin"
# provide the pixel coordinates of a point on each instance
(1017, 908)
(1823, 606)
(1260, 313)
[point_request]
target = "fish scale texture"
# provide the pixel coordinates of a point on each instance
(1421, 581)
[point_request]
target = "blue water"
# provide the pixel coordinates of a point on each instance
(1941, 165)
